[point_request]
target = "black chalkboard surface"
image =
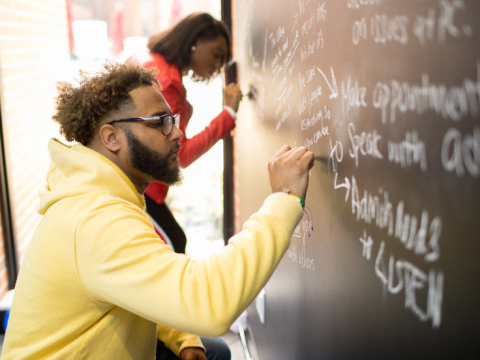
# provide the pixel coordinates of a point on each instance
(386, 93)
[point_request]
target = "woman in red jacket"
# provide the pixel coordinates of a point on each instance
(200, 44)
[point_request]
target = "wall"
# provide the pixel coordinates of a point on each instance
(170, 11)
(102, 10)
(386, 94)
(3, 268)
(33, 51)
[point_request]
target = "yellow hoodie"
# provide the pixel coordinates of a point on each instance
(97, 279)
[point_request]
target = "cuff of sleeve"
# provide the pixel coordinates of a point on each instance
(178, 340)
(285, 208)
(230, 110)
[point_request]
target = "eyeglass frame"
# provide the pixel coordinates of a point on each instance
(175, 117)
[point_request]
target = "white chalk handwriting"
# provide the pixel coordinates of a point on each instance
(365, 144)
(452, 102)
(408, 152)
(460, 153)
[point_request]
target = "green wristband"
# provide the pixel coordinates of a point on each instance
(300, 200)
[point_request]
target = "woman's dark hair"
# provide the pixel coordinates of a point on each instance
(176, 44)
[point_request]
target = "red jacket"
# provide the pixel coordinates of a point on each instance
(175, 95)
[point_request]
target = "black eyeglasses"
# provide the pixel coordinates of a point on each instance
(166, 121)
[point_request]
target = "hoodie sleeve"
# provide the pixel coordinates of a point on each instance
(122, 261)
(177, 340)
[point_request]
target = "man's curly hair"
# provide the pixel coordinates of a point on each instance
(81, 106)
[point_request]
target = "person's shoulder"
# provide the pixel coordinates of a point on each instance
(167, 73)
(106, 201)
(108, 209)
(110, 199)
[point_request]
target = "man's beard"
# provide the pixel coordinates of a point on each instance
(152, 163)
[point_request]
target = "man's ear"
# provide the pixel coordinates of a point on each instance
(111, 137)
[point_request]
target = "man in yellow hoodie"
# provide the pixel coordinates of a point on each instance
(97, 282)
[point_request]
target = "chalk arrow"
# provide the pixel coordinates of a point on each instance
(333, 87)
(345, 185)
(333, 153)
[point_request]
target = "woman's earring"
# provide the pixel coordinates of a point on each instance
(194, 48)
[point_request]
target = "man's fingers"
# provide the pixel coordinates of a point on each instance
(310, 166)
(307, 159)
(301, 154)
(297, 153)
(282, 151)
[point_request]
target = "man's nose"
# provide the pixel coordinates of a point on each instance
(176, 134)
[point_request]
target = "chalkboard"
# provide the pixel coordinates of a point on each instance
(386, 93)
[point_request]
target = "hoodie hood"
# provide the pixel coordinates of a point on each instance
(77, 170)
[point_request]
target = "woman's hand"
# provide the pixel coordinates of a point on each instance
(232, 96)
(192, 353)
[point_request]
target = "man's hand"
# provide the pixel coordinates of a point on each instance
(288, 169)
(192, 353)
(232, 95)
